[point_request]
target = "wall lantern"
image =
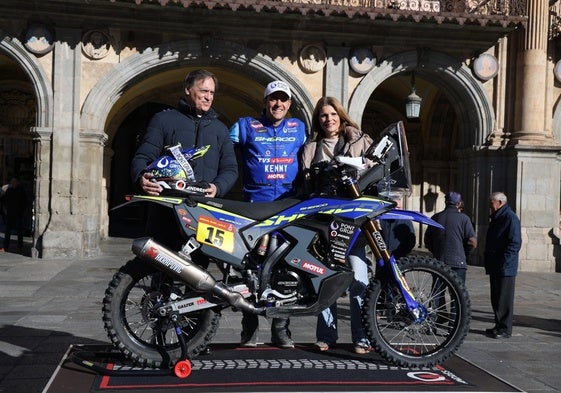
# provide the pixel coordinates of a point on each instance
(413, 101)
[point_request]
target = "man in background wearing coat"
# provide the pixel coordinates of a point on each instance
(502, 246)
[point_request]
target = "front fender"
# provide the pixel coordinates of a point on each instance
(398, 214)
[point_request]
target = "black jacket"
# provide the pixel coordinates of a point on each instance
(166, 128)
(449, 245)
(503, 243)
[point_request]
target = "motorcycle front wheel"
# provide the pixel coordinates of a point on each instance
(144, 336)
(428, 337)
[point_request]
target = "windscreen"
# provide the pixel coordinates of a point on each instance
(392, 175)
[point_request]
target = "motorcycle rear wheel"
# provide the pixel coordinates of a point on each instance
(430, 338)
(142, 335)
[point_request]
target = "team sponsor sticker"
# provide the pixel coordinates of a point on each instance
(216, 233)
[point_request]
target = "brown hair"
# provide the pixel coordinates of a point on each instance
(197, 75)
(317, 132)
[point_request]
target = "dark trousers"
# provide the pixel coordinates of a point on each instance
(14, 224)
(461, 273)
(502, 301)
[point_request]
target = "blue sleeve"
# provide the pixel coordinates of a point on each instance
(235, 133)
(304, 134)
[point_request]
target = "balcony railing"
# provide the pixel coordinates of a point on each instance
(503, 12)
(476, 7)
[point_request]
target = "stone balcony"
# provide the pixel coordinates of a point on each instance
(482, 7)
(505, 13)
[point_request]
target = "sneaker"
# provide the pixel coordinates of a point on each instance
(322, 346)
(362, 346)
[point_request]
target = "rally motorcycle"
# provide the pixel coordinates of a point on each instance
(283, 259)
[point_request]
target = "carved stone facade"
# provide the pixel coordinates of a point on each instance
(83, 95)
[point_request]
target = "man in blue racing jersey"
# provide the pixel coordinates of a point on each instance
(270, 148)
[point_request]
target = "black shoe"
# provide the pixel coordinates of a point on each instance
(249, 339)
(280, 334)
(491, 332)
(250, 329)
(501, 335)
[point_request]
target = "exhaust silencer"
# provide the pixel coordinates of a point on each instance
(182, 267)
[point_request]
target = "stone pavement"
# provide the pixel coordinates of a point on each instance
(46, 305)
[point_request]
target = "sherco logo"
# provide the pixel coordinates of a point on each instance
(313, 268)
(168, 263)
(275, 139)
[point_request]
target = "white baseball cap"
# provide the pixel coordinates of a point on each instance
(277, 86)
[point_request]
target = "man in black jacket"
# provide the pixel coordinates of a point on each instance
(193, 124)
(502, 247)
(449, 245)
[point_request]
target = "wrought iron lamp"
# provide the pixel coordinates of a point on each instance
(413, 101)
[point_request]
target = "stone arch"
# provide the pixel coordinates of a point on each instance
(105, 94)
(38, 78)
(474, 110)
(42, 133)
(99, 103)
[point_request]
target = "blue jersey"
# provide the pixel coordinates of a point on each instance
(269, 156)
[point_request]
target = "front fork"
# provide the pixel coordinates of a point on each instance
(387, 262)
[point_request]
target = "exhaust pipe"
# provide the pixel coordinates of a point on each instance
(182, 267)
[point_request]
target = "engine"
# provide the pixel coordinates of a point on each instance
(287, 287)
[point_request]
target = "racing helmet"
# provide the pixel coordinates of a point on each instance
(173, 170)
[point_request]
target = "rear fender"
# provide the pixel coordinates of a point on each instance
(160, 200)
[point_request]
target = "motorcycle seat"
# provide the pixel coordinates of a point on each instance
(258, 211)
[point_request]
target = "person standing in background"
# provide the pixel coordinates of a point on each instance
(502, 246)
(399, 235)
(270, 149)
(449, 244)
(14, 204)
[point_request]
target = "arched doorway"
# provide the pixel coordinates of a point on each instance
(456, 115)
(17, 117)
(25, 132)
(154, 79)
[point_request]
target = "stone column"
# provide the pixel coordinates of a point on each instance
(532, 62)
(337, 74)
(537, 170)
(63, 236)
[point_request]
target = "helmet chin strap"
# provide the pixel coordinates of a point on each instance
(176, 152)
